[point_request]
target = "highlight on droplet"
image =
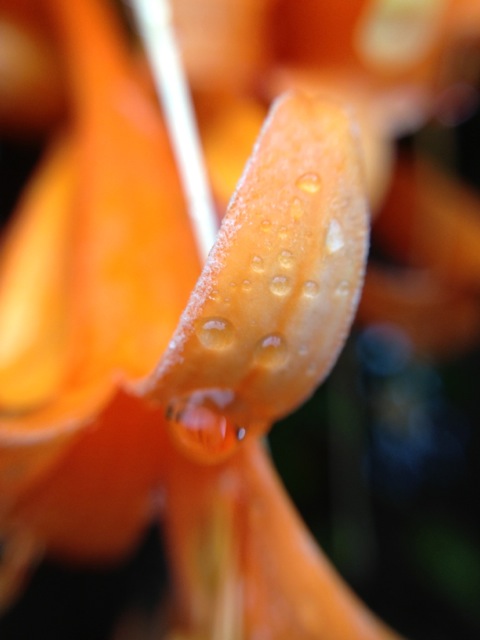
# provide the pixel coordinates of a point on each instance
(215, 333)
(271, 351)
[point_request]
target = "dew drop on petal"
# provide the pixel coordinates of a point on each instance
(310, 289)
(283, 232)
(296, 209)
(199, 426)
(286, 259)
(246, 286)
(271, 351)
(266, 226)
(241, 433)
(257, 265)
(309, 182)
(280, 285)
(215, 333)
(343, 288)
(334, 240)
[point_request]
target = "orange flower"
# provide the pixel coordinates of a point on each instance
(96, 270)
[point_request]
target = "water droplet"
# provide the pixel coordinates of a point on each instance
(310, 289)
(280, 285)
(309, 182)
(303, 350)
(256, 263)
(246, 286)
(215, 333)
(200, 427)
(311, 370)
(233, 285)
(271, 351)
(343, 288)
(283, 232)
(334, 240)
(286, 259)
(241, 433)
(214, 295)
(266, 226)
(296, 208)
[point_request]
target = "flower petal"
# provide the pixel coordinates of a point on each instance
(277, 295)
(33, 286)
(244, 564)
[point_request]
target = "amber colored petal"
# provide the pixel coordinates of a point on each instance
(223, 42)
(228, 137)
(34, 297)
(433, 221)
(96, 500)
(276, 298)
(440, 321)
(134, 259)
(243, 563)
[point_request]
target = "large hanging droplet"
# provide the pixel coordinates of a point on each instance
(200, 428)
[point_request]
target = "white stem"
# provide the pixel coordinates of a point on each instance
(155, 26)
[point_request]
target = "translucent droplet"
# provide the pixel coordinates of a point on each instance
(283, 232)
(334, 240)
(246, 286)
(266, 226)
(215, 333)
(343, 288)
(271, 351)
(296, 208)
(286, 259)
(309, 182)
(200, 427)
(214, 295)
(310, 289)
(311, 370)
(280, 285)
(241, 433)
(257, 265)
(303, 350)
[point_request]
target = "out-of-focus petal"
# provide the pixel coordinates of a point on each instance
(34, 296)
(430, 220)
(243, 563)
(228, 138)
(440, 321)
(96, 500)
(223, 42)
(135, 260)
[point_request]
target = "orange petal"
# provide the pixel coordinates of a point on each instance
(439, 320)
(270, 313)
(134, 260)
(432, 221)
(94, 503)
(228, 138)
(243, 563)
(34, 286)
